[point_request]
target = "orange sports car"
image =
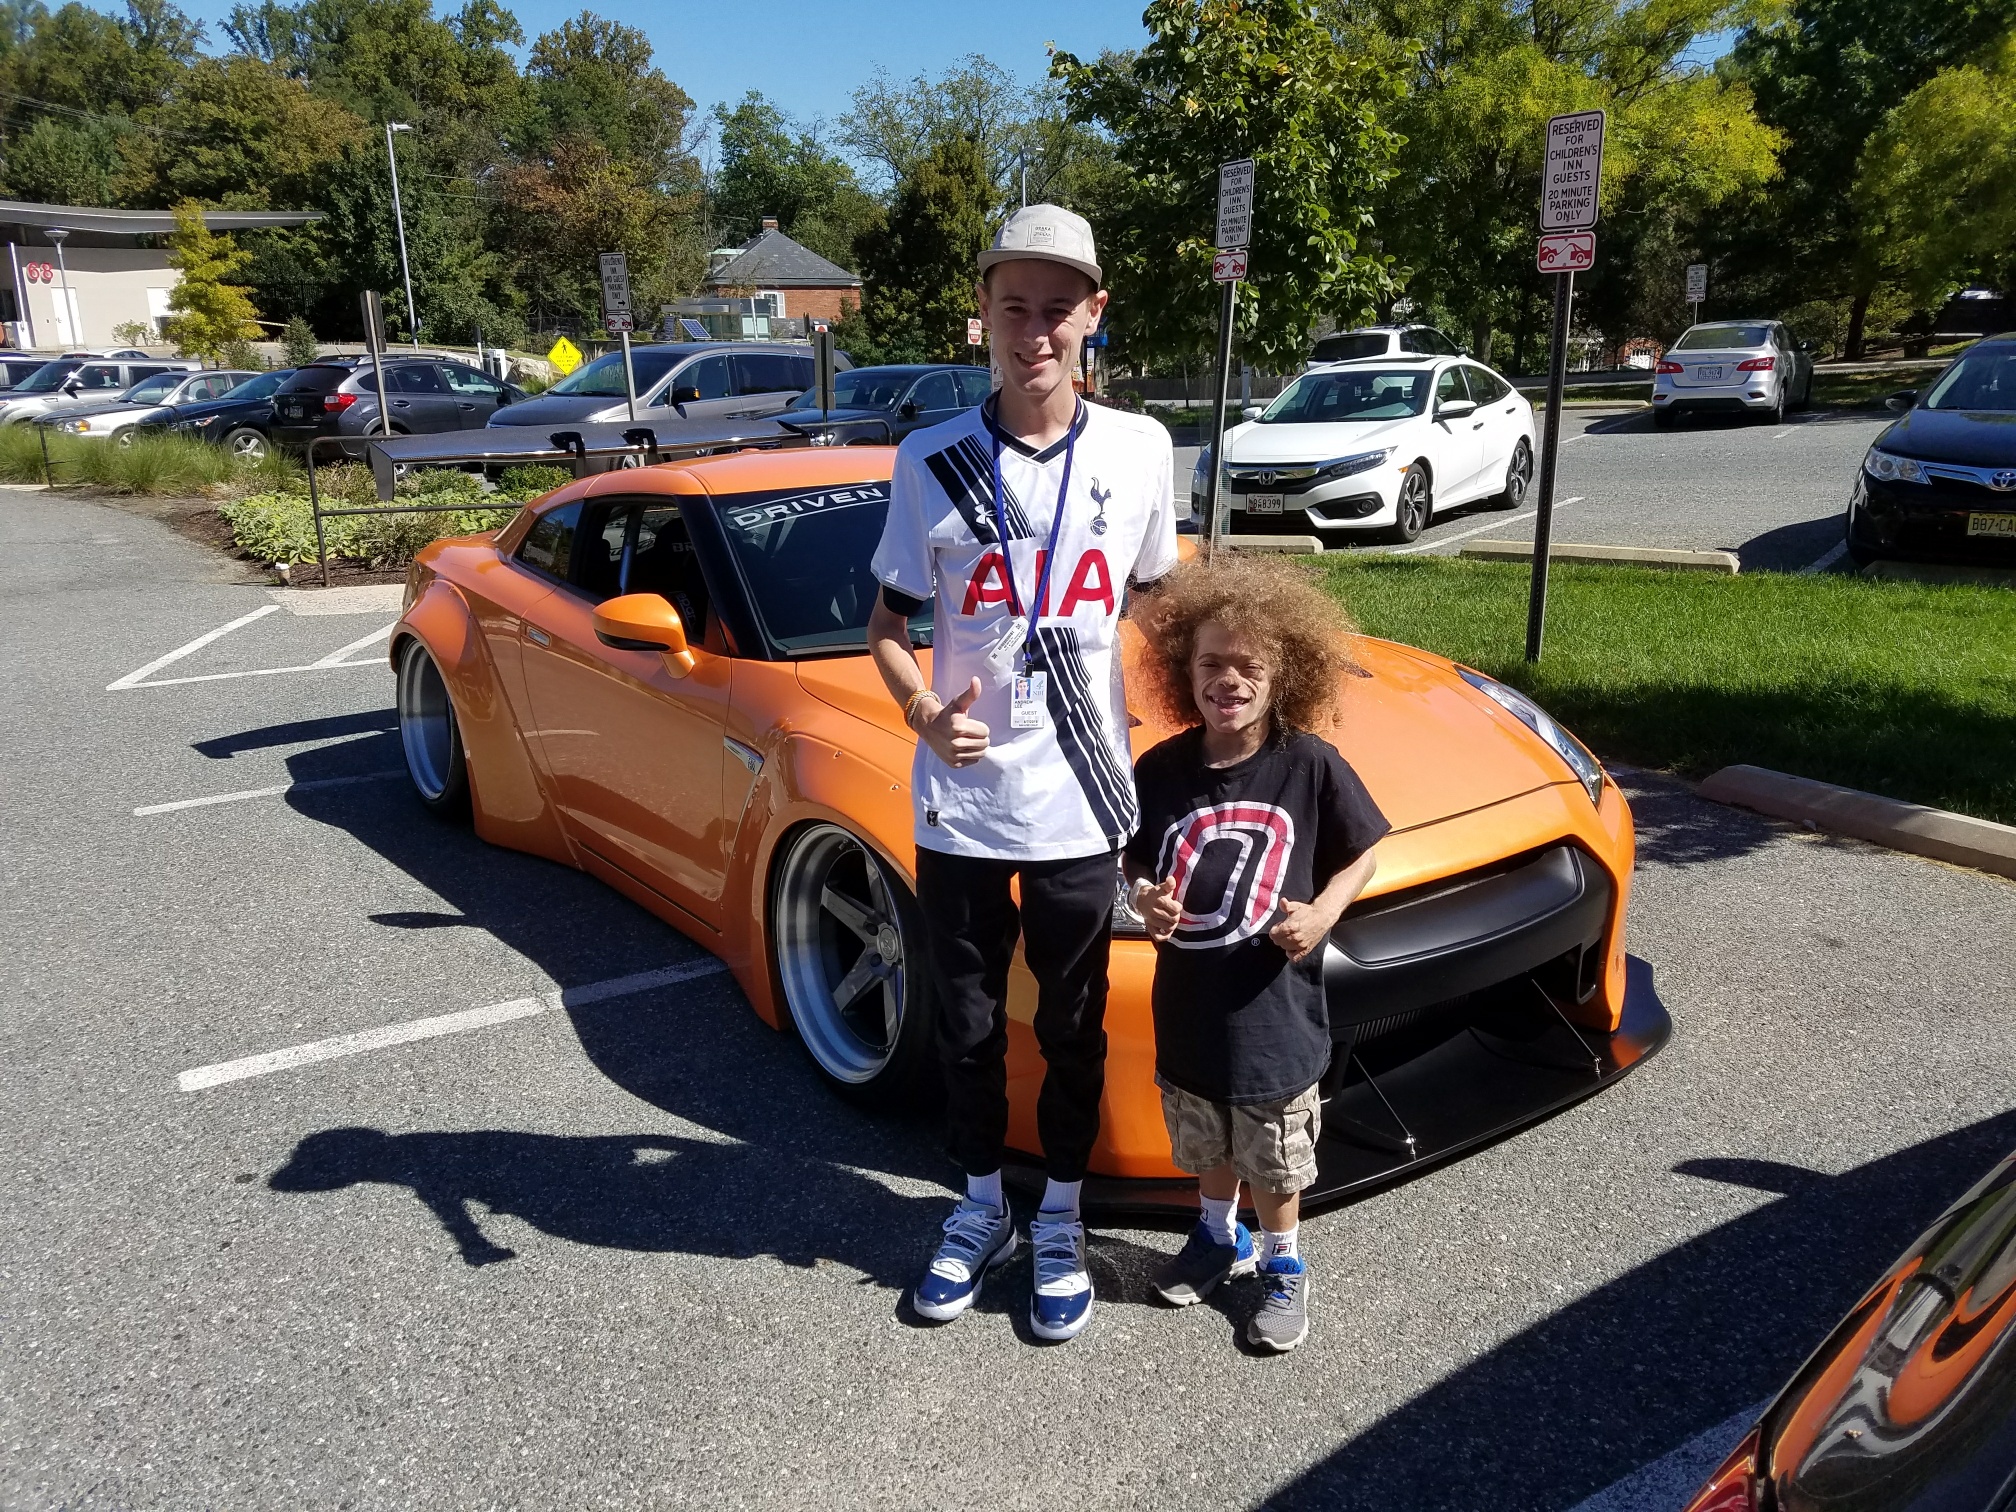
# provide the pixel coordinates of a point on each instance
(659, 675)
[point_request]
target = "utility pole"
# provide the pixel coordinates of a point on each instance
(399, 220)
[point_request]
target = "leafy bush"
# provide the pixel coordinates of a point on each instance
(279, 526)
(241, 354)
(531, 479)
(153, 464)
(133, 333)
(297, 339)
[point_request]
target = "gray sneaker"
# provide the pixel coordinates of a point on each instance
(1283, 1319)
(1196, 1270)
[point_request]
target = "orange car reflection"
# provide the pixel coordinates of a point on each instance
(659, 676)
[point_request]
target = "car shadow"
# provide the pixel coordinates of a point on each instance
(1669, 1349)
(1678, 828)
(1793, 548)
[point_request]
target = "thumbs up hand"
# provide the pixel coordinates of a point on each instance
(1159, 909)
(959, 739)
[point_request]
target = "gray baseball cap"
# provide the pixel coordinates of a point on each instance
(1049, 232)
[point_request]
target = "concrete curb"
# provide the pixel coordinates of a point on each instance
(1965, 841)
(1294, 545)
(1724, 562)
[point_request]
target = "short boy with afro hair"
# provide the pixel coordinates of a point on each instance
(1255, 836)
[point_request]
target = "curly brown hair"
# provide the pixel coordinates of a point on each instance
(1304, 634)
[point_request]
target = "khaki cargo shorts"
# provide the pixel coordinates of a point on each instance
(1271, 1144)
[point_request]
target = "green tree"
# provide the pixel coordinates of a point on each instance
(919, 268)
(297, 341)
(1826, 73)
(594, 79)
(771, 168)
(1224, 79)
(210, 312)
(237, 133)
(64, 163)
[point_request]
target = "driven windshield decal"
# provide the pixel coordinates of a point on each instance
(761, 510)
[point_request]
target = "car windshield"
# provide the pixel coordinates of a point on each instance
(47, 377)
(1350, 347)
(152, 390)
(862, 388)
(1983, 379)
(1722, 338)
(603, 378)
(264, 386)
(1354, 394)
(804, 554)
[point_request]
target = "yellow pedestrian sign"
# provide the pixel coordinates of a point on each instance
(564, 355)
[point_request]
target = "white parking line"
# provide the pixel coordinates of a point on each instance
(1665, 1484)
(265, 792)
(176, 682)
(445, 1023)
(1839, 550)
(132, 679)
(335, 658)
(1464, 535)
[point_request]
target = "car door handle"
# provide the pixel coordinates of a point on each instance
(537, 636)
(401, 404)
(468, 406)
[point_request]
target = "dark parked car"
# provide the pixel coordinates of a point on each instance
(1910, 1405)
(424, 394)
(149, 400)
(692, 380)
(909, 397)
(1940, 483)
(239, 420)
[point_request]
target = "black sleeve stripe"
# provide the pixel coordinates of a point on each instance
(900, 603)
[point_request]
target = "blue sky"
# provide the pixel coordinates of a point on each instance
(808, 56)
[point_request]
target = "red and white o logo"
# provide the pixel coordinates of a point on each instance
(1229, 862)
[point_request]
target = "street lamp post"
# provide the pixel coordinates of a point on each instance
(399, 220)
(70, 318)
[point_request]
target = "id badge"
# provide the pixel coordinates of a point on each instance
(1001, 655)
(1029, 701)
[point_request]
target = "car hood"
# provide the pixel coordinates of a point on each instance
(1427, 746)
(1983, 438)
(1253, 442)
(93, 411)
(557, 409)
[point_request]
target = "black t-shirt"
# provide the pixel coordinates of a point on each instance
(1235, 1020)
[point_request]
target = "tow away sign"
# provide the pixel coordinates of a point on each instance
(1228, 267)
(1573, 172)
(1567, 252)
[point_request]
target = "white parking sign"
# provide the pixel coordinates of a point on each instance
(1573, 172)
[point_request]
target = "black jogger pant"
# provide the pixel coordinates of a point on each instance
(1065, 923)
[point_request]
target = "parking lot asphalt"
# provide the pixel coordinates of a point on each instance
(620, 1248)
(1774, 495)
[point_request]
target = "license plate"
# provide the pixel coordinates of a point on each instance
(1263, 503)
(1708, 373)
(291, 411)
(1991, 525)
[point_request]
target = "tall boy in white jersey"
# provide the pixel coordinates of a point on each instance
(1022, 522)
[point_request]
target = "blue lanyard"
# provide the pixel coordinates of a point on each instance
(1056, 524)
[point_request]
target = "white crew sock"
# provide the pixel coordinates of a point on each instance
(1060, 1198)
(1219, 1221)
(1281, 1246)
(985, 1190)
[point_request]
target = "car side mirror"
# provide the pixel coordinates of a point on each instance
(1455, 409)
(1902, 400)
(73, 388)
(685, 393)
(644, 622)
(907, 410)
(1805, 346)
(1251, 412)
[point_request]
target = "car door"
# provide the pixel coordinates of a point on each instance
(420, 400)
(1457, 439)
(476, 395)
(766, 382)
(932, 399)
(703, 388)
(1497, 425)
(635, 751)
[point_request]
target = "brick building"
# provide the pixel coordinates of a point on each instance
(774, 278)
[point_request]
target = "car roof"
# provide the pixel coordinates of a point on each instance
(1388, 357)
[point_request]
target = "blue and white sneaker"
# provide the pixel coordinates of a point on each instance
(1202, 1263)
(1062, 1303)
(977, 1238)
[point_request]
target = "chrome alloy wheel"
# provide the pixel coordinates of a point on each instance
(1410, 518)
(1518, 477)
(427, 730)
(844, 942)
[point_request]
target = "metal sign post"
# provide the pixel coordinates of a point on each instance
(1697, 288)
(616, 317)
(1233, 232)
(822, 368)
(374, 338)
(1568, 203)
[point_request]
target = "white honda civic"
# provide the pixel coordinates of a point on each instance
(1377, 445)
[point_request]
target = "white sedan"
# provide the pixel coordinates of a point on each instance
(1378, 445)
(1733, 367)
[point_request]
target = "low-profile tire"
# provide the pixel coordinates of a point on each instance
(1518, 479)
(430, 735)
(247, 444)
(848, 944)
(1415, 508)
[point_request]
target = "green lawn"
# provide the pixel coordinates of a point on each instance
(1904, 689)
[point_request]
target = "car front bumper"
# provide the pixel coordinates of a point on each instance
(1338, 508)
(1929, 522)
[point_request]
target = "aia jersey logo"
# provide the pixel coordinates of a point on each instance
(1090, 582)
(1230, 862)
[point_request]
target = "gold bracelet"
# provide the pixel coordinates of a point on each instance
(910, 707)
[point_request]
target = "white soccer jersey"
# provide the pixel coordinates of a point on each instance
(1064, 788)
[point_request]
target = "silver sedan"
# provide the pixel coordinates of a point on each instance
(1733, 367)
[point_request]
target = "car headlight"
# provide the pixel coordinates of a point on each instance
(1344, 467)
(1200, 475)
(1892, 468)
(73, 426)
(204, 420)
(1585, 767)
